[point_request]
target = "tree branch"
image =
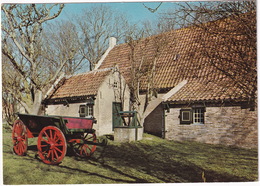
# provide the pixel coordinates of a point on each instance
(54, 15)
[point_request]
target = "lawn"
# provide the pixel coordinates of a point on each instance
(151, 160)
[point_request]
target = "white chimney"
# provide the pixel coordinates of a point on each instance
(112, 42)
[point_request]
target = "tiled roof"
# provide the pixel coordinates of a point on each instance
(195, 91)
(180, 58)
(177, 61)
(86, 84)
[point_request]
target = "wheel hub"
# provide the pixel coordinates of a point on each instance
(52, 144)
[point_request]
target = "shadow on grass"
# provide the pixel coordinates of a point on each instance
(146, 163)
(95, 174)
(159, 162)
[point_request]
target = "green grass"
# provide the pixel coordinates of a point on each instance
(151, 160)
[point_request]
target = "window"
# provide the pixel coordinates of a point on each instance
(90, 110)
(82, 110)
(192, 116)
(115, 84)
(86, 110)
(198, 116)
(186, 116)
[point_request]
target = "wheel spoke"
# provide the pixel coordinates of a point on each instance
(55, 144)
(55, 136)
(88, 147)
(19, 138)
(51, 137)
(52, 155)
(18, 150)
(58, 145)
(56, 154)
(91, 137)
(58, 149)
(18, 129)
(21, 147)
(45, 141)
(46, 135)
(83, 150)
(49, 153)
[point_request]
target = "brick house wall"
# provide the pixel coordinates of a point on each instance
(153, 123)
(223, 125)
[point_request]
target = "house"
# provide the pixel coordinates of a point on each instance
(195, 100)
(183, 94)
(92, 94)
(212, 114)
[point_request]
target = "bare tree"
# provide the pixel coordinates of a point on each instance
(22, 27)
(143, 56)
(96, 25)
(61, 43)
(9, 81)
(228, 39)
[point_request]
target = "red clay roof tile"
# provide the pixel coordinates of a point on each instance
(180, 59)
(86, 84)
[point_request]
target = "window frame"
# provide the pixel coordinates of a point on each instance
(189, 121)
(87, 110)
(196, 116)
(82, 108)
(90, 109)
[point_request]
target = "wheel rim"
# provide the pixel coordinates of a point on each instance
(51, 145)
(20, 138)
(85, 150)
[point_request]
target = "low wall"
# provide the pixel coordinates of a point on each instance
(125, 134)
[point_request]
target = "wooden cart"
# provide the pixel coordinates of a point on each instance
(54, 134)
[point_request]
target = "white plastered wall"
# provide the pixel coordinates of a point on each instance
(107, 94)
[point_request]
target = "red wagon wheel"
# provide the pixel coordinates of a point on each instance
(20, 138)
(85, 150)
(52, 146)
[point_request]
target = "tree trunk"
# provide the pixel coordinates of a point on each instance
(37, 103)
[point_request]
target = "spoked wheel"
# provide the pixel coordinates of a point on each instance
(83, 149)
(52, 146)
(20, 138)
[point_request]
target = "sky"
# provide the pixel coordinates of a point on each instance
(135, 11)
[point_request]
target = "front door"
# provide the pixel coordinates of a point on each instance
(117, 120)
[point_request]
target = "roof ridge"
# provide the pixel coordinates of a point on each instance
(188, 27)
(92, 71)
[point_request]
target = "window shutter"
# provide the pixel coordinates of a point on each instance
(82, 110)
(185, 116)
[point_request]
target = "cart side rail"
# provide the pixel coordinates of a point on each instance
(36, 123)
(79, 123)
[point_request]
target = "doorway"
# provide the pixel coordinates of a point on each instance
(116, 118)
